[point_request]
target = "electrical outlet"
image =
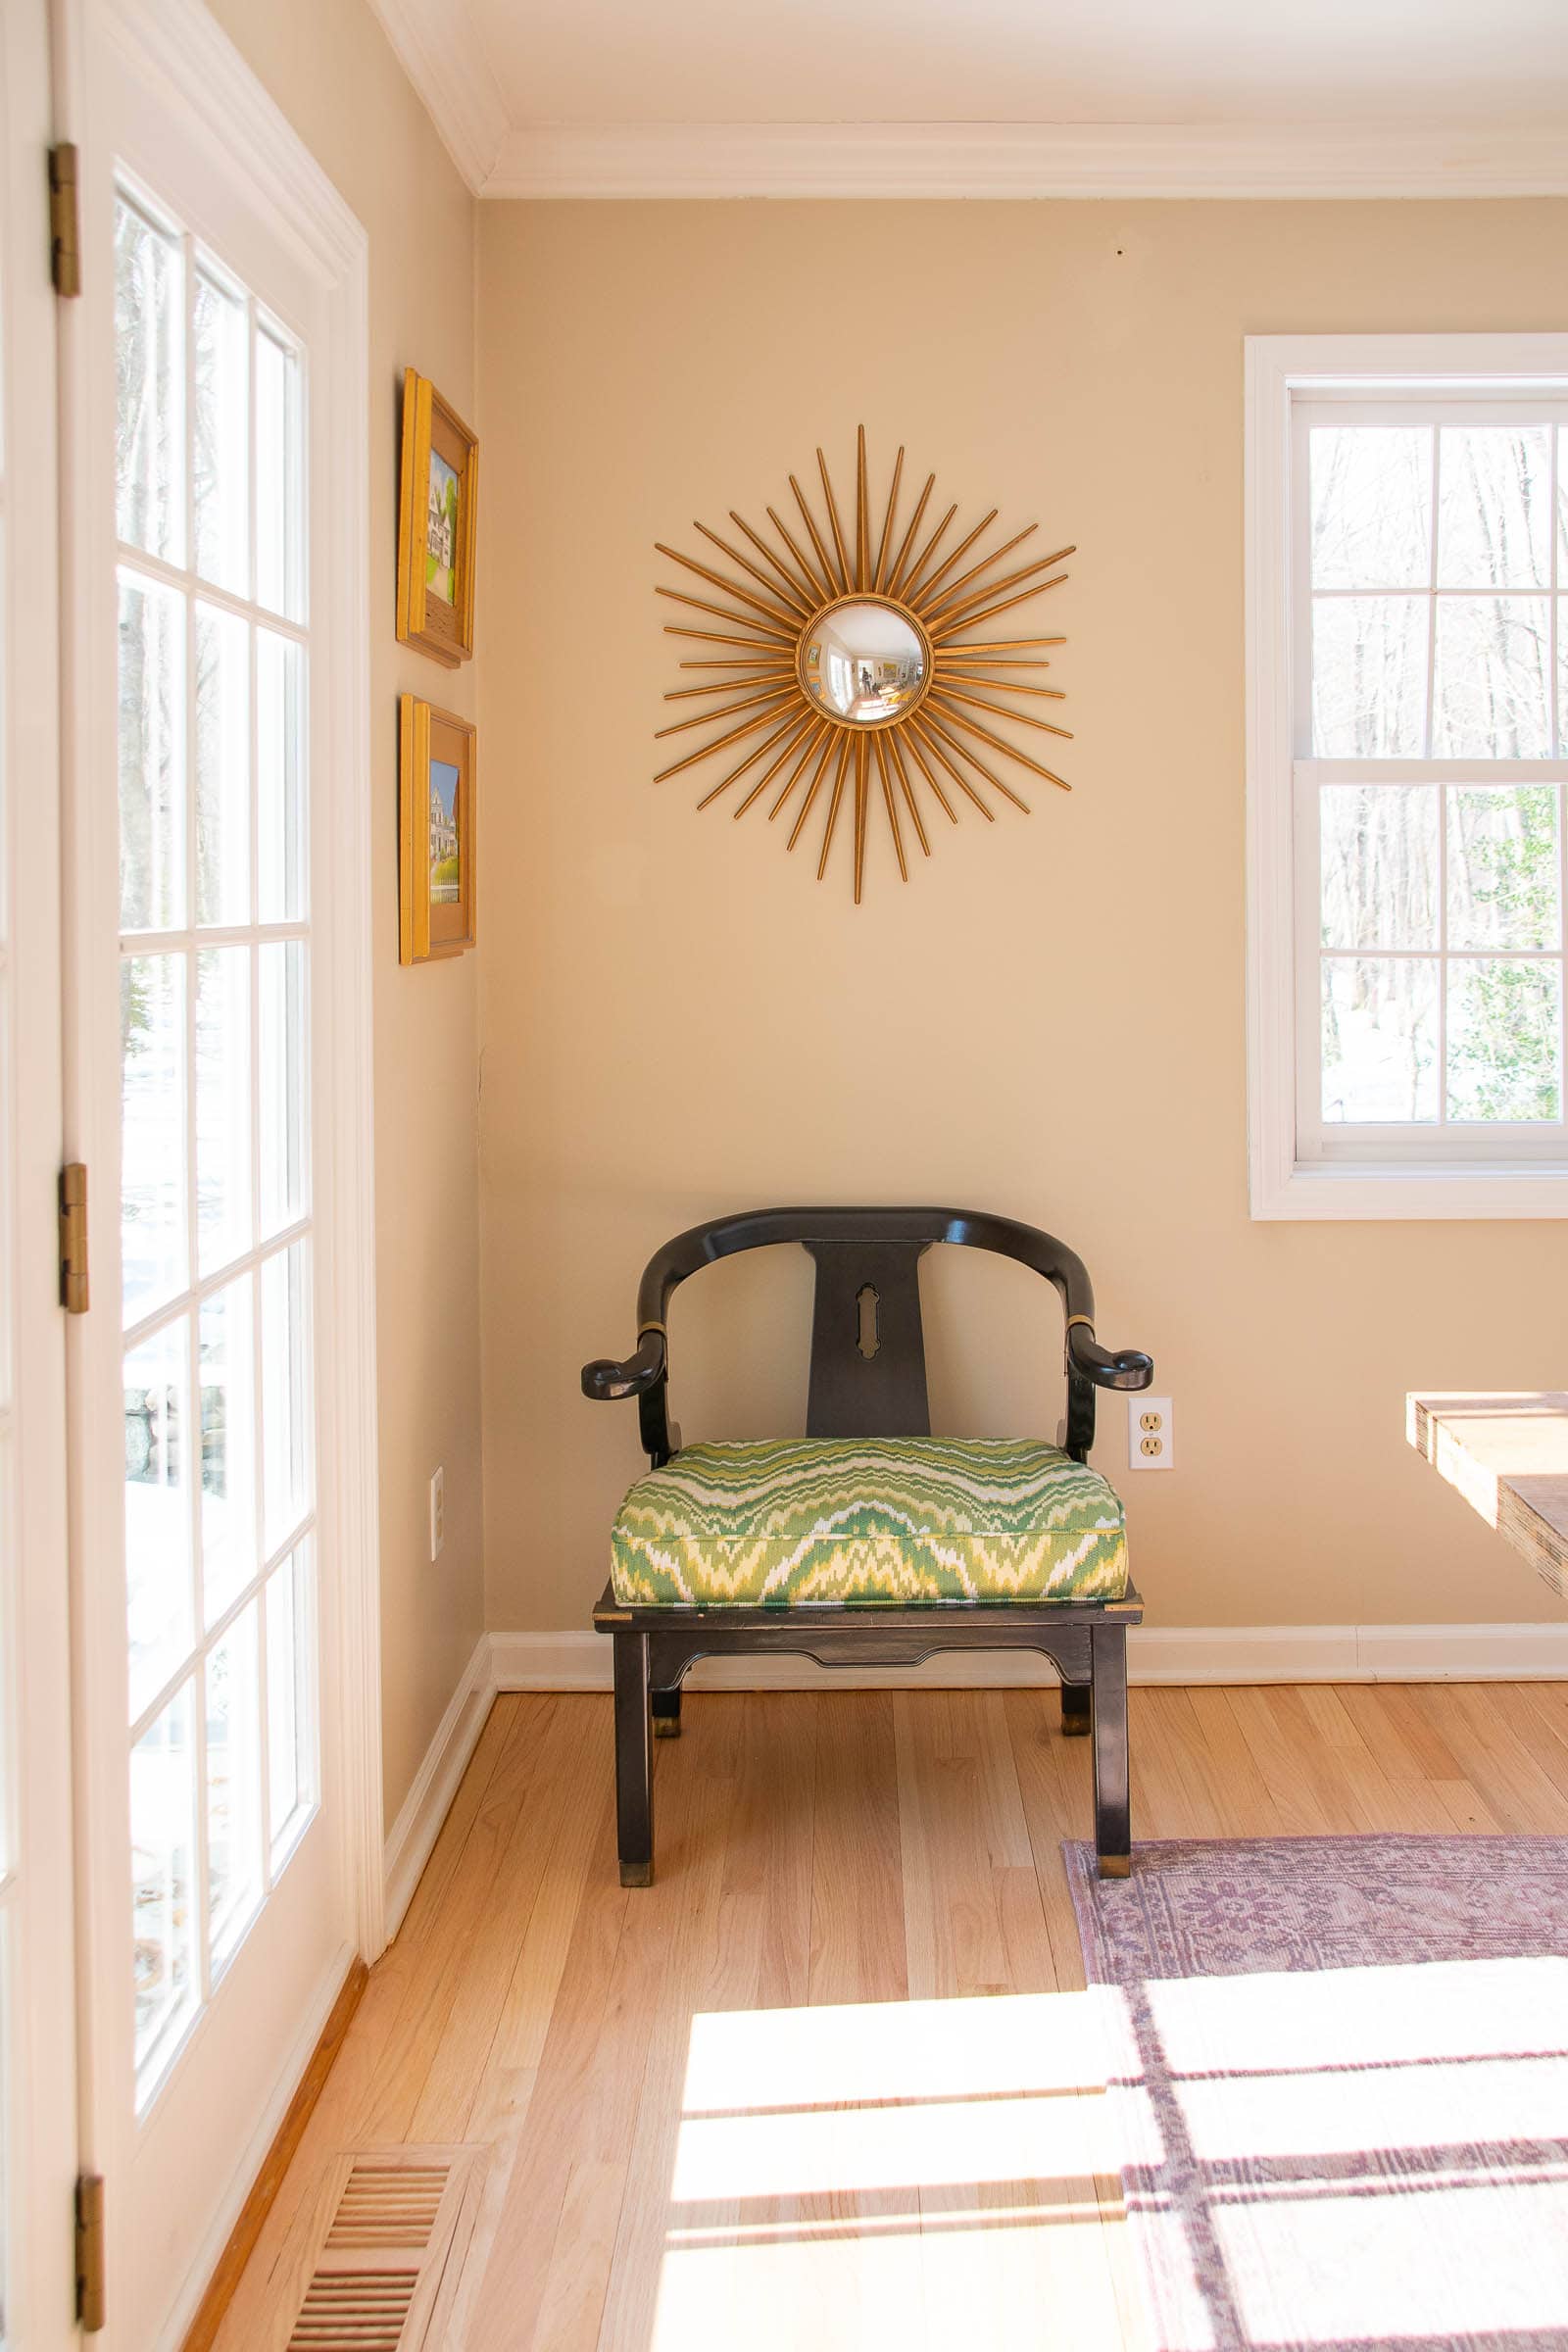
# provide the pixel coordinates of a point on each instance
(1150, 1438)
(438, 1513)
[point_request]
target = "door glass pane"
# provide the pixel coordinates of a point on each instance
(152, 1210)
(278, 550)
(279, 778)
(284, 1015)
(149, 385)
(222, 768)
(226, 1331)
(157, 1527)
(222, 1105)
(222, 439)
(234, 1772)
(1380, 1037)
(152, 756)
(1380, 857)
(216, 1075)
(290, 1710)
(1505, 1039)
(287, 1404)
(163, 1845)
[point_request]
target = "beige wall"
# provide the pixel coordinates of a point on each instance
(334, 74)
(1049, 1020)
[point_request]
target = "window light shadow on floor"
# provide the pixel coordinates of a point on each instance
(1354, 2157)
(853, 2176)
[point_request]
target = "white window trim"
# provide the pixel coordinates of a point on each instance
(1282, 1186)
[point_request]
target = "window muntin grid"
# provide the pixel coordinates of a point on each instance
(1415, 716)
(216, 1204)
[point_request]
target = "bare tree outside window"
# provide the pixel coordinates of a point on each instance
(1434, 580)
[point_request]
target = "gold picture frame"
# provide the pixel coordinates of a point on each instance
(436, 525)
(437, 864)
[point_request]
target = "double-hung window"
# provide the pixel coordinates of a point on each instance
(1407, 679)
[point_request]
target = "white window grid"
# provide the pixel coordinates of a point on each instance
(295, 1553)
(1476, 1143)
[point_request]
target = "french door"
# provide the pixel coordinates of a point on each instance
(221, 1403)
(37, 1993)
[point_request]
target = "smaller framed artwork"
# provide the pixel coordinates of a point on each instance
(436, 867)
(437, 524)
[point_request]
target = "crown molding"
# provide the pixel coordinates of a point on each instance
(1023, 160)
(438, 45)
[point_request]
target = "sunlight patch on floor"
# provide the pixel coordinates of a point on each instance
(874, 2051)
(898, 2172)
(934, 2170)
(1358, 2155)
(1338, 2016)
(1405, 2260)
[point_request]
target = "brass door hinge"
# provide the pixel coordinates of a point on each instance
(90, 2252)
(74, 1238)
(64, 220)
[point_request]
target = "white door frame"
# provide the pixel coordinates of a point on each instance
(41, 2123)
(227, 120)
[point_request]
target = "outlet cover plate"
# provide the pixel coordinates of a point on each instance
(1150, 1438)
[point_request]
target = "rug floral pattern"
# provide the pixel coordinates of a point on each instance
(1339, 2083)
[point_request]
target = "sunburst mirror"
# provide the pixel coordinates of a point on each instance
(861, 674)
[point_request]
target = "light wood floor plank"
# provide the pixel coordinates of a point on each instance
(857, 1938)
(561, 1771)
(1494, 1761)
(831, 1860)
(1245, 1807)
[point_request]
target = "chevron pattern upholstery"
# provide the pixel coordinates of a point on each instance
(866, 1522)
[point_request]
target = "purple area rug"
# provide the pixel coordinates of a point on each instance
(1339, 2088)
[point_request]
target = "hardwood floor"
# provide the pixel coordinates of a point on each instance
(663, 2165)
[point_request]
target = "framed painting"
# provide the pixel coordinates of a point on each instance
(436, 868)
(437, 524)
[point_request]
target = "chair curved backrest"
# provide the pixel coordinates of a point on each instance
(867, 1347)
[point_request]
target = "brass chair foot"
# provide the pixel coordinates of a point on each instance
(666, 1727)
(1115, 1866)
(636, 1874)
(1076, 1726)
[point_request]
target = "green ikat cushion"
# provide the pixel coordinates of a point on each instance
(863, 1522)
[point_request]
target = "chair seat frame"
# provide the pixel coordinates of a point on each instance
(654, 1649)
(853, 1396)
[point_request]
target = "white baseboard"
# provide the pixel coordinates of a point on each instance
(413, 1834)
(247, 2169)
(1155, 1653)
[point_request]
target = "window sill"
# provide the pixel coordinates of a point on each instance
(1323, 1192)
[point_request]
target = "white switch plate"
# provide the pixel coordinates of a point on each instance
(1150, 1438)
(438, 1513)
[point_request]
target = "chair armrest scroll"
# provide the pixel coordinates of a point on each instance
(1123, 1368)
(606, 1381)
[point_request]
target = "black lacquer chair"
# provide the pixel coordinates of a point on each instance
(868, 1542)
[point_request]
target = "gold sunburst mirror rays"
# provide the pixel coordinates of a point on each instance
(856, 676)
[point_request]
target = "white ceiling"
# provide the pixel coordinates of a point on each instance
(995, 96)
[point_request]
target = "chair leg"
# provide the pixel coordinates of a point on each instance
(634, 1761)
(1077, 1710)
(667, 1714)
(1107, 1649)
